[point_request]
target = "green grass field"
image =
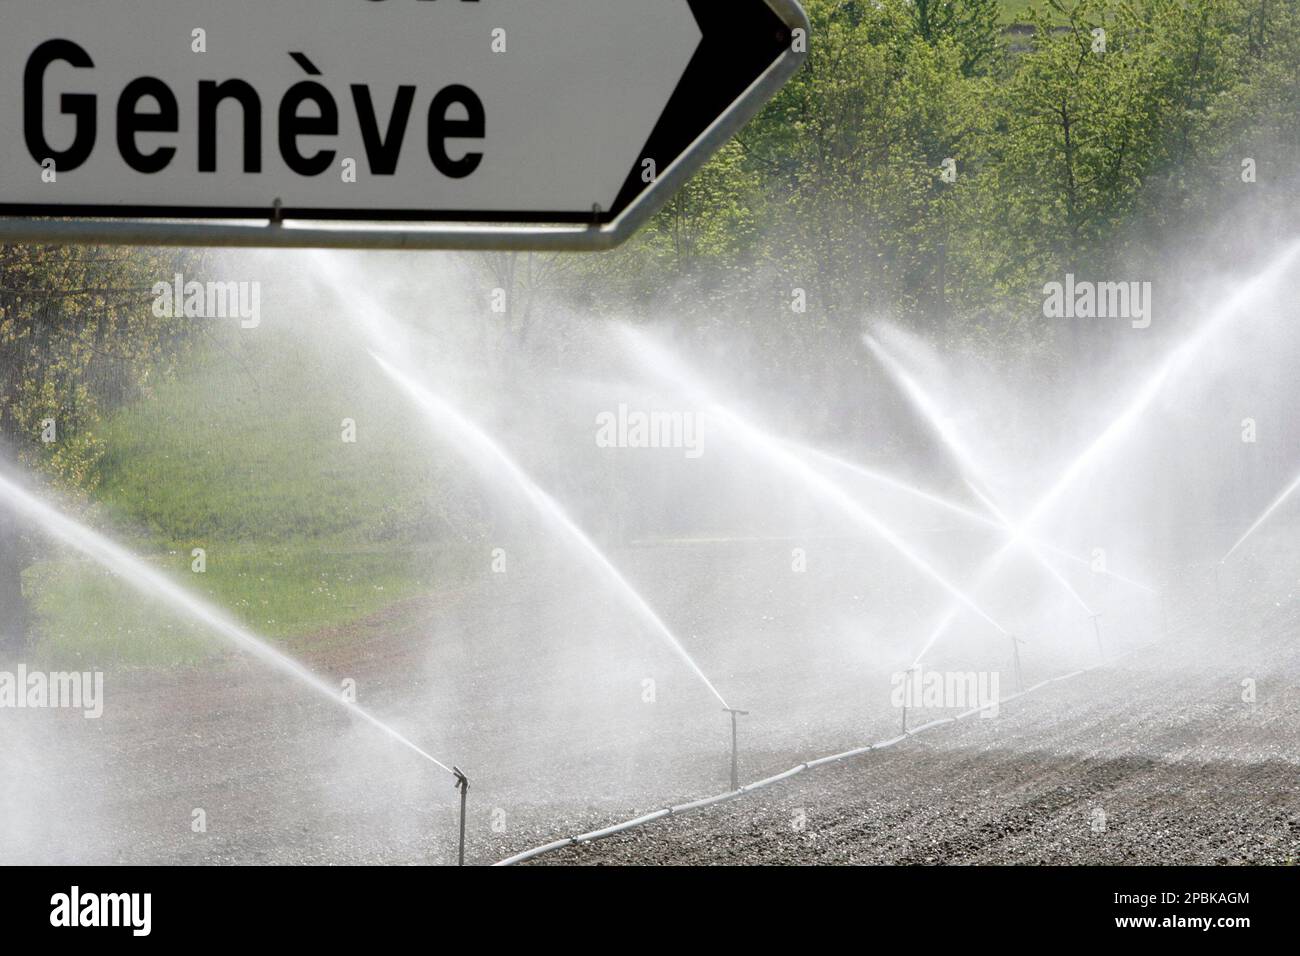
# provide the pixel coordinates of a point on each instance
(1013, 11)
(242, 455)
(85, 614)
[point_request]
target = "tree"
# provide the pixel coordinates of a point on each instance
(77, 337)
(974, 25)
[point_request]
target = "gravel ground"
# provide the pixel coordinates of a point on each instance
(1156, 760)
(232, 763)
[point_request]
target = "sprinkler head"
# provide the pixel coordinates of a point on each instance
(462, 784)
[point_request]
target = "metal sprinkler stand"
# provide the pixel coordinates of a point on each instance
(907, 694)
(462, 784)
(735, 774)
(1096, 628)
(1015, 656)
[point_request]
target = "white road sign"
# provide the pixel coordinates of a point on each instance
(440, 111)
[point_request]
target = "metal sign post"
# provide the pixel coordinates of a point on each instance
(343, 123)
(1096, 628)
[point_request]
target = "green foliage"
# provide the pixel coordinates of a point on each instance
(974, 25)
(1066, 153)
(77, 338)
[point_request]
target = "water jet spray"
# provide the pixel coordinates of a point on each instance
(964, 459)
(1127, 419)
(970, 515)
(1119, 427)
(781, 456)
(155, 585)
(1277, 503)
(474, 437)
(494, 460)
